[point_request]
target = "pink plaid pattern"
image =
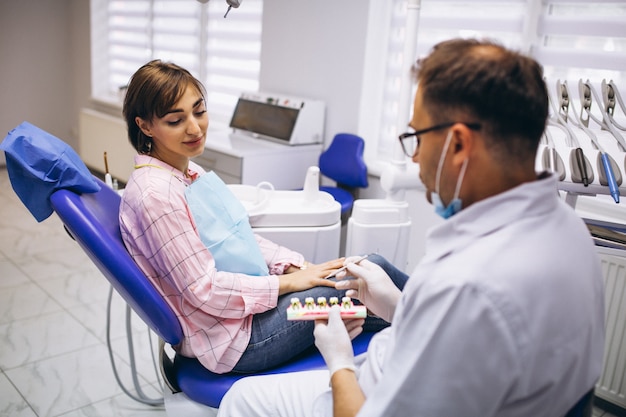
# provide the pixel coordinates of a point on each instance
(214, 307)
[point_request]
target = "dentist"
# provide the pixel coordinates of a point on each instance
(503, 316)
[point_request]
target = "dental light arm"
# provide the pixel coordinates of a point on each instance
(231, 4)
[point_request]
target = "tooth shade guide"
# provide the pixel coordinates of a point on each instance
(312, 310)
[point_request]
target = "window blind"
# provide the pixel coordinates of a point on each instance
(438, 20)
(579, 39)
(233, 54)
(571, 38)
(223, 53)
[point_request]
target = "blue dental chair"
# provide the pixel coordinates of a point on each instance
(92, 220)
(343, 162)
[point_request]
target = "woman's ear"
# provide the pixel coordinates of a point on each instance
(144, 126)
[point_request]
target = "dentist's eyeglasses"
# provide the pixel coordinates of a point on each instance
(410, 141)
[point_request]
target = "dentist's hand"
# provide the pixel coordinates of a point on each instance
(333, 339)
(372, 286)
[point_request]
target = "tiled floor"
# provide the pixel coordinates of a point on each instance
(53, 355)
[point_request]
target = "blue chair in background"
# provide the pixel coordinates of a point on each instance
(92, 220)
(343, 163)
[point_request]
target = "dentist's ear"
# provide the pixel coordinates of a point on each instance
(462, 141)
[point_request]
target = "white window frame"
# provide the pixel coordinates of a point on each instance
(385, 101)
(223, 53)
(533, 29)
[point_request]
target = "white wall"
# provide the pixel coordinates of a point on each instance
(316, 49)
(45, 63)
(311, 48)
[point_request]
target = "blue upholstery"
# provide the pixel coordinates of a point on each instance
(583, 408)
(343, 162)
(343, 197)
(38, 164)
(92, 220)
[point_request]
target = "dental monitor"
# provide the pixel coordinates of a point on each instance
(282, 119)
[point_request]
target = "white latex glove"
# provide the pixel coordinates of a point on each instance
(371, 286)
(333, 340)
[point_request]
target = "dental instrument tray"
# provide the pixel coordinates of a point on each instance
(315, 311)
(279, 118)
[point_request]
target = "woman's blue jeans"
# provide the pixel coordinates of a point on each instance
(276, 340)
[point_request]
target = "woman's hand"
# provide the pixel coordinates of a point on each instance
(313, 276)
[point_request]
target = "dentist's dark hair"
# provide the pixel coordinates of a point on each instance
(486, 83)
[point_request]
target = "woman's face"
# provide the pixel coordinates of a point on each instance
(181, 133)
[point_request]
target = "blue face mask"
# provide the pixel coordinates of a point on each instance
(456, 204)
(446, 211)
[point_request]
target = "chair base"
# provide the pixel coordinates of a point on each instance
(201, 385)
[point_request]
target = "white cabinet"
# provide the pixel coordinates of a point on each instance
(247, 160)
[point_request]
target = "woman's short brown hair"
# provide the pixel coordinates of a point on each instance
(153, 90)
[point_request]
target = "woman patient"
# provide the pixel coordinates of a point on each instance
(188, 234)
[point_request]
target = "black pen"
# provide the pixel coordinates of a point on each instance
(343, 268)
